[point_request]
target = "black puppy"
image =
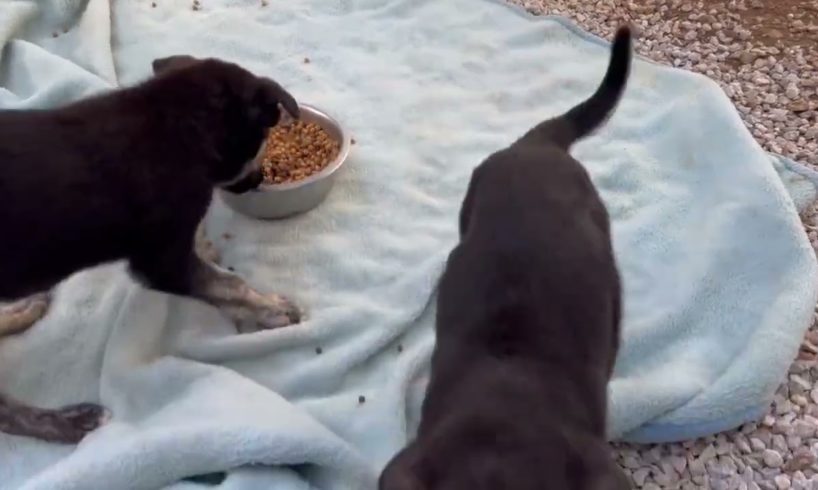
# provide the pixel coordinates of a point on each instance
(129, 175)
(527, 322)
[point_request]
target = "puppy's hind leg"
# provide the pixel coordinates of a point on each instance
(66, 425)
(22, 314)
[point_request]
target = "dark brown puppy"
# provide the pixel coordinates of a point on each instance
(129, 175)
(527, 323)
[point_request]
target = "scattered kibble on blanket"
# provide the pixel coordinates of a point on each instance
(296, 151)
(361, 399)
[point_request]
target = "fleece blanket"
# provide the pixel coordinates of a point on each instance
(720, 280)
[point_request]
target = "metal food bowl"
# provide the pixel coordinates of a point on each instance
(275, 201)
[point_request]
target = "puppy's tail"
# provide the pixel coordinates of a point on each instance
(584, 118)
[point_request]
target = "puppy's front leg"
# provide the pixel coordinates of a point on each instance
(233, 296)
(166, 261)
(204, 247)
(67, 425)
(19, 316)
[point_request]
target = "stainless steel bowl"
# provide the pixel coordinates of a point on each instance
(275, 201)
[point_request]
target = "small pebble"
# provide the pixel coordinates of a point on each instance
(779, 443)
(679, 463)
(772, 458)
(639, 476)
(782, 482)
(696, 467)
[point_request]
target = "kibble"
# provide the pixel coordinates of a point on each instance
(296, 151)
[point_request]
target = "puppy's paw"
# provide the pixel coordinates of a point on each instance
(21, 315)
(270, 312)
(205, 249)
(208, 252)
(281, 312)
(70, 424)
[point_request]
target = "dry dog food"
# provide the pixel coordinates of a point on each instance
(295, 151)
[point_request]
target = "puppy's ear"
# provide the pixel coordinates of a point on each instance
(170, 63)
(264, 101)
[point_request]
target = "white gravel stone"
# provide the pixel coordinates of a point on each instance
(639, 476)
(772, 458)
(782, 482)
(780, 443)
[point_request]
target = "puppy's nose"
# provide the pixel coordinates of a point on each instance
(248, 183)
(256, 178)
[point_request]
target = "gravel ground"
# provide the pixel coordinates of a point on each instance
(764, 54)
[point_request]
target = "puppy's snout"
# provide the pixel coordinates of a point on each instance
(250, 181)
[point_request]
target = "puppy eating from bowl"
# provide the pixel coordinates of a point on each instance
(527, 322)
(129, 175)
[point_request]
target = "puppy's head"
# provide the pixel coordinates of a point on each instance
(468, 467)
(239, 109)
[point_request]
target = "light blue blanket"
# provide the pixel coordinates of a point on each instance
(720, 280)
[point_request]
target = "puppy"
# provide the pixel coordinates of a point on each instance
(129, 175)
(527, 322)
